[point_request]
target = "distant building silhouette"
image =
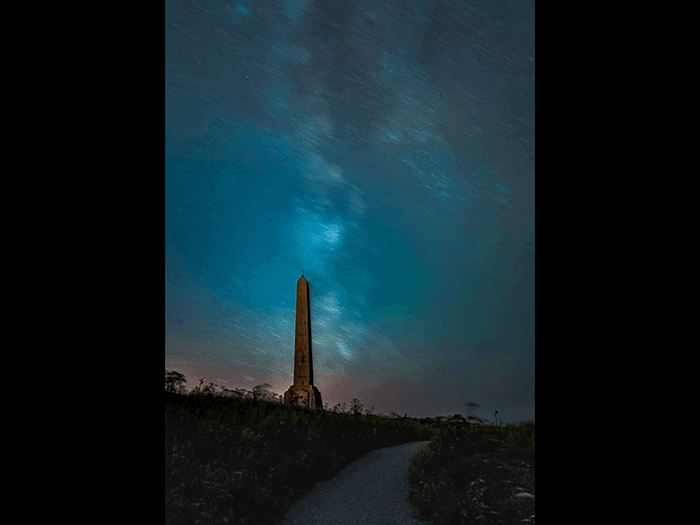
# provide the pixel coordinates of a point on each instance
(303, 392)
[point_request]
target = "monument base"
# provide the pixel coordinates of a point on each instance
(304, 395)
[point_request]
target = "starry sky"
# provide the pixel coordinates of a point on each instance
(385, 147)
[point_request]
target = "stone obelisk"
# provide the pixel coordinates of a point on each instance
(303, 392)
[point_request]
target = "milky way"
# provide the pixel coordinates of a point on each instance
(385, 147)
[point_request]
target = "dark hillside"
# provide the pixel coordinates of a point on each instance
(242, 460)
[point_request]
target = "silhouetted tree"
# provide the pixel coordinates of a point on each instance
(261, 391)
(210, 388)
(470, 407)
(356, 407)
(174, 381)
(456, 422)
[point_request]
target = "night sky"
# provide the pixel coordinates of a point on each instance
(387, 148)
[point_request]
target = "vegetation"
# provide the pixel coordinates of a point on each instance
(239, 457)
(475, 474)
(243, 457)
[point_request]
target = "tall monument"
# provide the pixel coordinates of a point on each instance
(303, 391)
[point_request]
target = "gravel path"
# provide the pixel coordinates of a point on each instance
(370, 491)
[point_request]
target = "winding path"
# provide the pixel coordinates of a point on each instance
(369, 491)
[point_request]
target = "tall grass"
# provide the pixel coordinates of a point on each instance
(240, 460)
(475, 474)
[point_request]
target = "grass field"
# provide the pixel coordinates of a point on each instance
(244, 460)
(475, 474)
